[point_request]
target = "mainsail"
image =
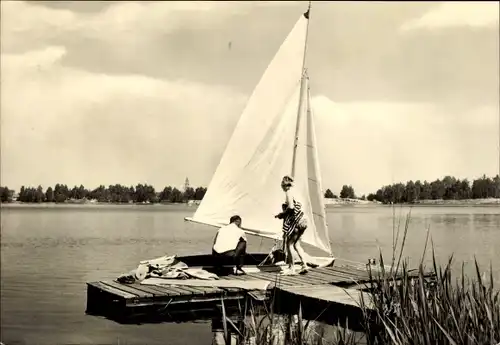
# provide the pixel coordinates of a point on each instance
(263, 149)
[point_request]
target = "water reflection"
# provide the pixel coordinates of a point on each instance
(224, 334)
(268, 330)
(348, 221)
(486, 221)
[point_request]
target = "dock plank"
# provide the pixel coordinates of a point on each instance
(172, 289)
(127, 288)
(331, 293)
(196, 290)
(350, 271)
(284, 280)
(176, 289)
(234, 277)
(280, 282)
(343, 275)
(203, 290)
(263, 275)
(316, 279)
(257, 276)
(112, 290)
(340, 278)
(187, 290)
(320, 277)
(232, 289)
(164, 290)
(149, 289)
(299, 279)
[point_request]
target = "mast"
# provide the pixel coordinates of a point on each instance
(302, 81)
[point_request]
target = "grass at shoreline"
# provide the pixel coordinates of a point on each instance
(443, 309)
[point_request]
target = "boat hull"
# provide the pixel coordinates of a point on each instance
(208, 262)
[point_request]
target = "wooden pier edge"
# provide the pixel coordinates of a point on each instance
(320, 288)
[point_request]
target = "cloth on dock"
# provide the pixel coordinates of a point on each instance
(253, 284)
(168, 267)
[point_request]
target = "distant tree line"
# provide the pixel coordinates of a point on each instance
(142, 193)
(347, 192)
(448, 188)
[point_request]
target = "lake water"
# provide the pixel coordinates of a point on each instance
(49, 252)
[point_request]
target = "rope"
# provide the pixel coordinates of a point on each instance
(270, 253)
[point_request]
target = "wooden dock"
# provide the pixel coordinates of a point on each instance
(338, 286)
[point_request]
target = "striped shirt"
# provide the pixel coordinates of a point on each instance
(298, 217)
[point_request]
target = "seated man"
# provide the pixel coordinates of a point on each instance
(230, 245)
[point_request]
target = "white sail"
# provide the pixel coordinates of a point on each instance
(308, 178)
(259, 153)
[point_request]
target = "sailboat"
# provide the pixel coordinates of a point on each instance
(274, 137)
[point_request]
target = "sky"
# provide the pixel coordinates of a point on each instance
(149, 92)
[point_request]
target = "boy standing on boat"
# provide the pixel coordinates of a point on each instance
(230, 245)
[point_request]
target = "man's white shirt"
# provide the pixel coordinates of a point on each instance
(228, 237)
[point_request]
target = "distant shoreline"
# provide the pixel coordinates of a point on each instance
(328, 203)
(440, 202)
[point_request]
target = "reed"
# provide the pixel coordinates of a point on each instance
(445, 310)
(407, 310)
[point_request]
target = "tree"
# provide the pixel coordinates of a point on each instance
(372, 197)
(437, 190)
(329, 194)
(39, 195)
(145, 193)
(199, 193)
(61, 193)
(5, 194)
(73, 194)
(388, 194)
(464, 190)
(49, 195)
(399, 191)
(188, 194)
(496, 185)
(449, 188)
(22, 194)
(426, 193)
(176, 195)
(418, 189)
(165, 194)
(347, 192)
(99, 194)
(411, 192)
(480, 188)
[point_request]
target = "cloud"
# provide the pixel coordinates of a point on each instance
(25, 24)
(121, 128)
(71, 126)
(125, 22)
(456, 14)
(368, 144)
